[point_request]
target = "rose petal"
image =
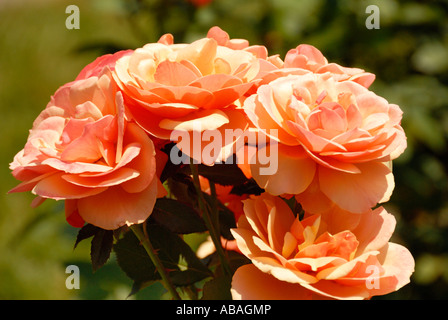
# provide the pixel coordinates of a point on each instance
(72, 215)
(115, 207)
(374, 230)
(398, 262)
(249, 283)
(114, 178)
(144, 163)
(174, 73)
(313, 142)
(264, 122)
(295, 171)
(85, 148)
(357, 192)
(200, 121)
(185, 94)
(55, 187)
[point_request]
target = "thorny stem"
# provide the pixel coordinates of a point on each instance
(209, 218)
(146, 243)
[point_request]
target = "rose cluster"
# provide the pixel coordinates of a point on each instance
(99, 146)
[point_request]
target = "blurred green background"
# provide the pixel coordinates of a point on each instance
(408, 54)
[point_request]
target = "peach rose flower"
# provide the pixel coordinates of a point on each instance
(189, 87)
(310, 58)
(313, 259)
(307, 59)
(82, 150)
(335, 141)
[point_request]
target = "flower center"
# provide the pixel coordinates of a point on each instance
(303, 241)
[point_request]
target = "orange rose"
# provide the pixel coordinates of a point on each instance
(314, 259)
(335, 141)
(307, 59)
(82, 150)
(189, 87)
(310, 58)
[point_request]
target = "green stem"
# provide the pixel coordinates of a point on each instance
(144, 240)
(215, 208)
(191, 292)
(206, 214)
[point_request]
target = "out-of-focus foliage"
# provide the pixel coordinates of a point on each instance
(408, 54)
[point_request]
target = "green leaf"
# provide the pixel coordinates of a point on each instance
(177, 216)
(234, 258)
(237, 260)
(134, 261)
(183, 267)
(226, 222)
(170, 168)
(217, 289)
(248, 187)
(101, 247)
(176, 255)
(223, 174)
(86, 232)
(226, 218)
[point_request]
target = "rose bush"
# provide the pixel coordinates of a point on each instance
(106, 141)
(313, 258)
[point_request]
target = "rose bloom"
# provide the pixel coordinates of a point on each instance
(335, 141)
(190, 87)
(81, 149)
(316, 257)
(310, 58)
(307, 59)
